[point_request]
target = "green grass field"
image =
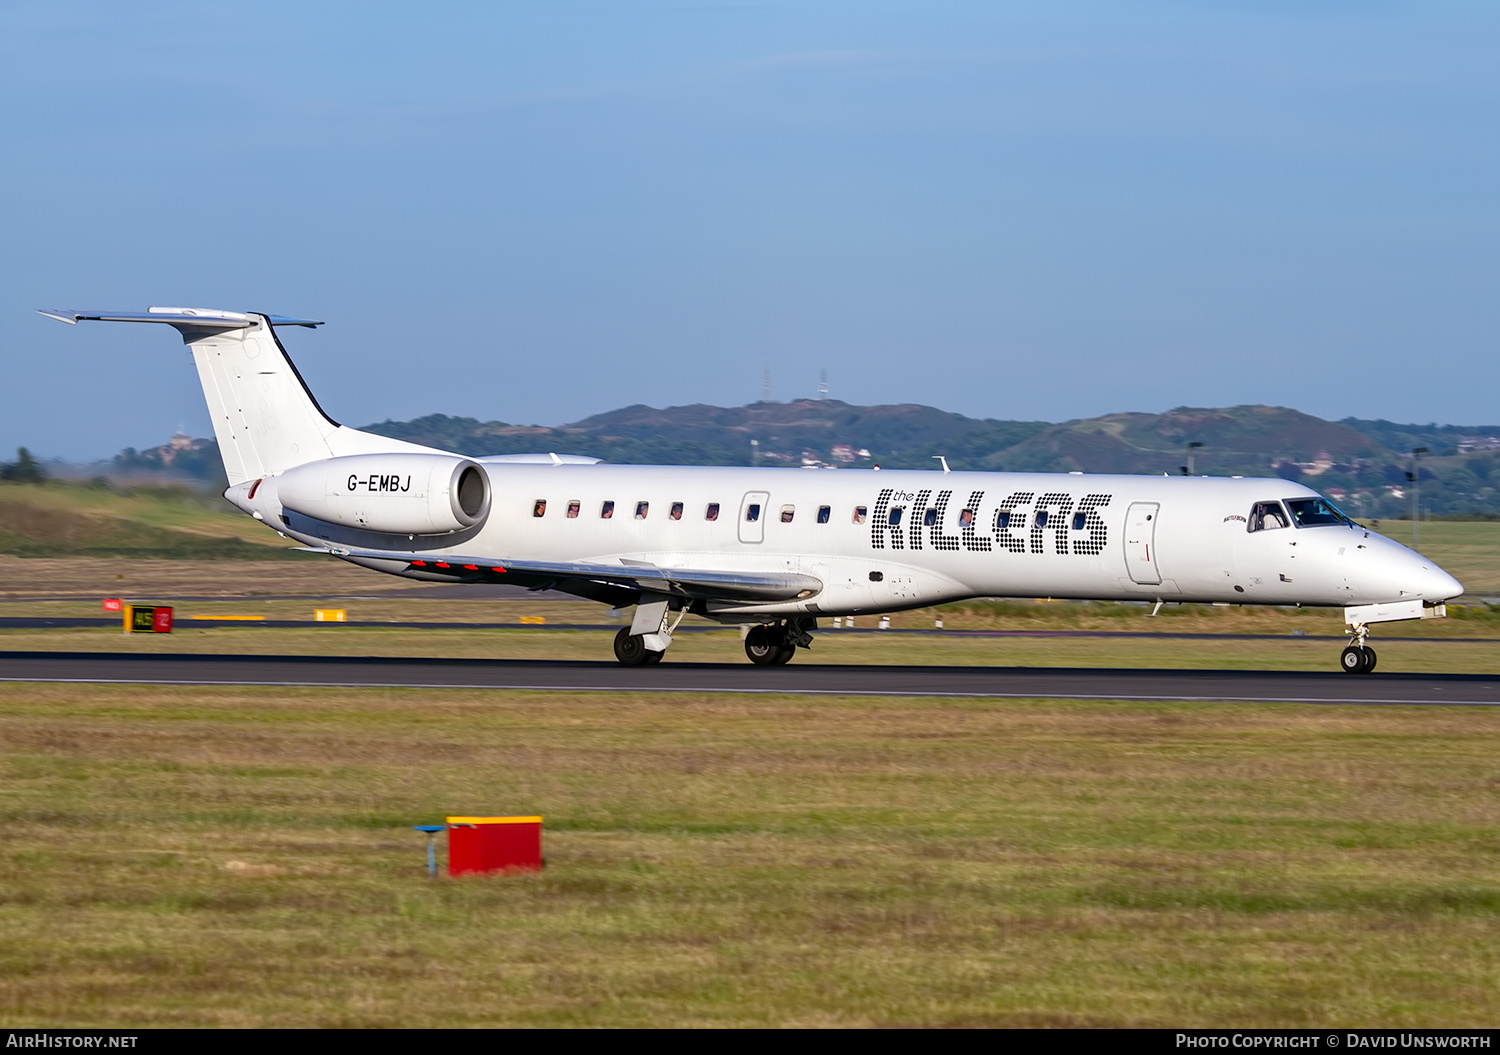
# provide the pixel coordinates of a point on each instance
(239, 857)
(242, 857)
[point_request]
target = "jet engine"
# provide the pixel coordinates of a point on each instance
(407, 494)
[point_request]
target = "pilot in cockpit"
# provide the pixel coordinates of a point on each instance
(1266, 516)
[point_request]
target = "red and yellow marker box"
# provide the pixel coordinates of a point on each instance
(148, 619)
(482, 845)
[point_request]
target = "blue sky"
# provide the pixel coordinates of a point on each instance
(536, 212)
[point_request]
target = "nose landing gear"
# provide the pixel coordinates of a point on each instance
(1358, 657)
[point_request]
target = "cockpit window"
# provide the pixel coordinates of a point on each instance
(1315, 512)
(1267, 516)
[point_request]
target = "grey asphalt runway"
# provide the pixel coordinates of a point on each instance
(799, 678)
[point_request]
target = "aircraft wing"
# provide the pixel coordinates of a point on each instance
(695, 583)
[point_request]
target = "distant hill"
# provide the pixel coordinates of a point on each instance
(819, 431)
(1245, 441)
(1360, 463)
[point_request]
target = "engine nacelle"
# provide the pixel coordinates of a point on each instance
(406, 494)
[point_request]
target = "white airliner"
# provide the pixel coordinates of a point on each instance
(771, 549)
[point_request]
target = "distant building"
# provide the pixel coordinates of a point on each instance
(179, 443)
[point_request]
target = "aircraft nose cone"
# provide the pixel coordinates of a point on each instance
(1438, 585)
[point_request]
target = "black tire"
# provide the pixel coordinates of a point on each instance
(1352, 660)
(785, 655)
(1369, 660)
(763, 648)
(631, 650)
(653, 658)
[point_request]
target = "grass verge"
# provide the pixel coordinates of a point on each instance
(242, 857)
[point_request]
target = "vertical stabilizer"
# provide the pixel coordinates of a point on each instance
(265, 418)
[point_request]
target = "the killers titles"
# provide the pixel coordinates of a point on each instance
(900, 518)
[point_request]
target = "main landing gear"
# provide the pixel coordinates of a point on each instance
(767, 645)
(772, 644)
(1358, 658)
(631, 650)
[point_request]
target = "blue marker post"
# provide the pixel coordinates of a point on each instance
(431, 830)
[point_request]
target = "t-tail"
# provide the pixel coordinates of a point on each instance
(265, 418)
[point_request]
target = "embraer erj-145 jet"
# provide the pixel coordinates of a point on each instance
(771, 549)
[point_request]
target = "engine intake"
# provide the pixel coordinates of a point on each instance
(407, 494)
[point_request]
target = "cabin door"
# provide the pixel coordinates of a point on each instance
(753, 516)
(1140, 542)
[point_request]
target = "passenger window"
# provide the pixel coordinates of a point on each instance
(641, 509)
(787, 512)
(929, 518)
(896, 516)
(752, 512)
(573, 508)
(860, 512)
(676, 513)
(1002, 520)
(1041, 518)
(606, 511)
(824, 512)
(966, 518)
(1267, 516)
(539, 508)
(1079, 521)
(712, 512)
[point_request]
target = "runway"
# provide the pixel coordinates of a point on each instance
(801, 678)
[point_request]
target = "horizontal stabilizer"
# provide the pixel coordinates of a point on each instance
(196, 318)
(699, 584)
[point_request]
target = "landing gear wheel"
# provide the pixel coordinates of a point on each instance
(1357, 660)
(631, 650)
(785, 655)
(764, 648)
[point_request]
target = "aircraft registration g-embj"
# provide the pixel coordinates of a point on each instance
(771, 549)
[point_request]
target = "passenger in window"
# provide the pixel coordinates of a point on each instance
(676, 513)
(606, 511)
(966, 518)
(641, 509)
(787, 513)
(712, 512)
(539, 508)
(824, 512)
(573, 508)
(860, 512)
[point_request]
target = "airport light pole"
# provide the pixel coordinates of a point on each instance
(1416, 499)
(1187, 470)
